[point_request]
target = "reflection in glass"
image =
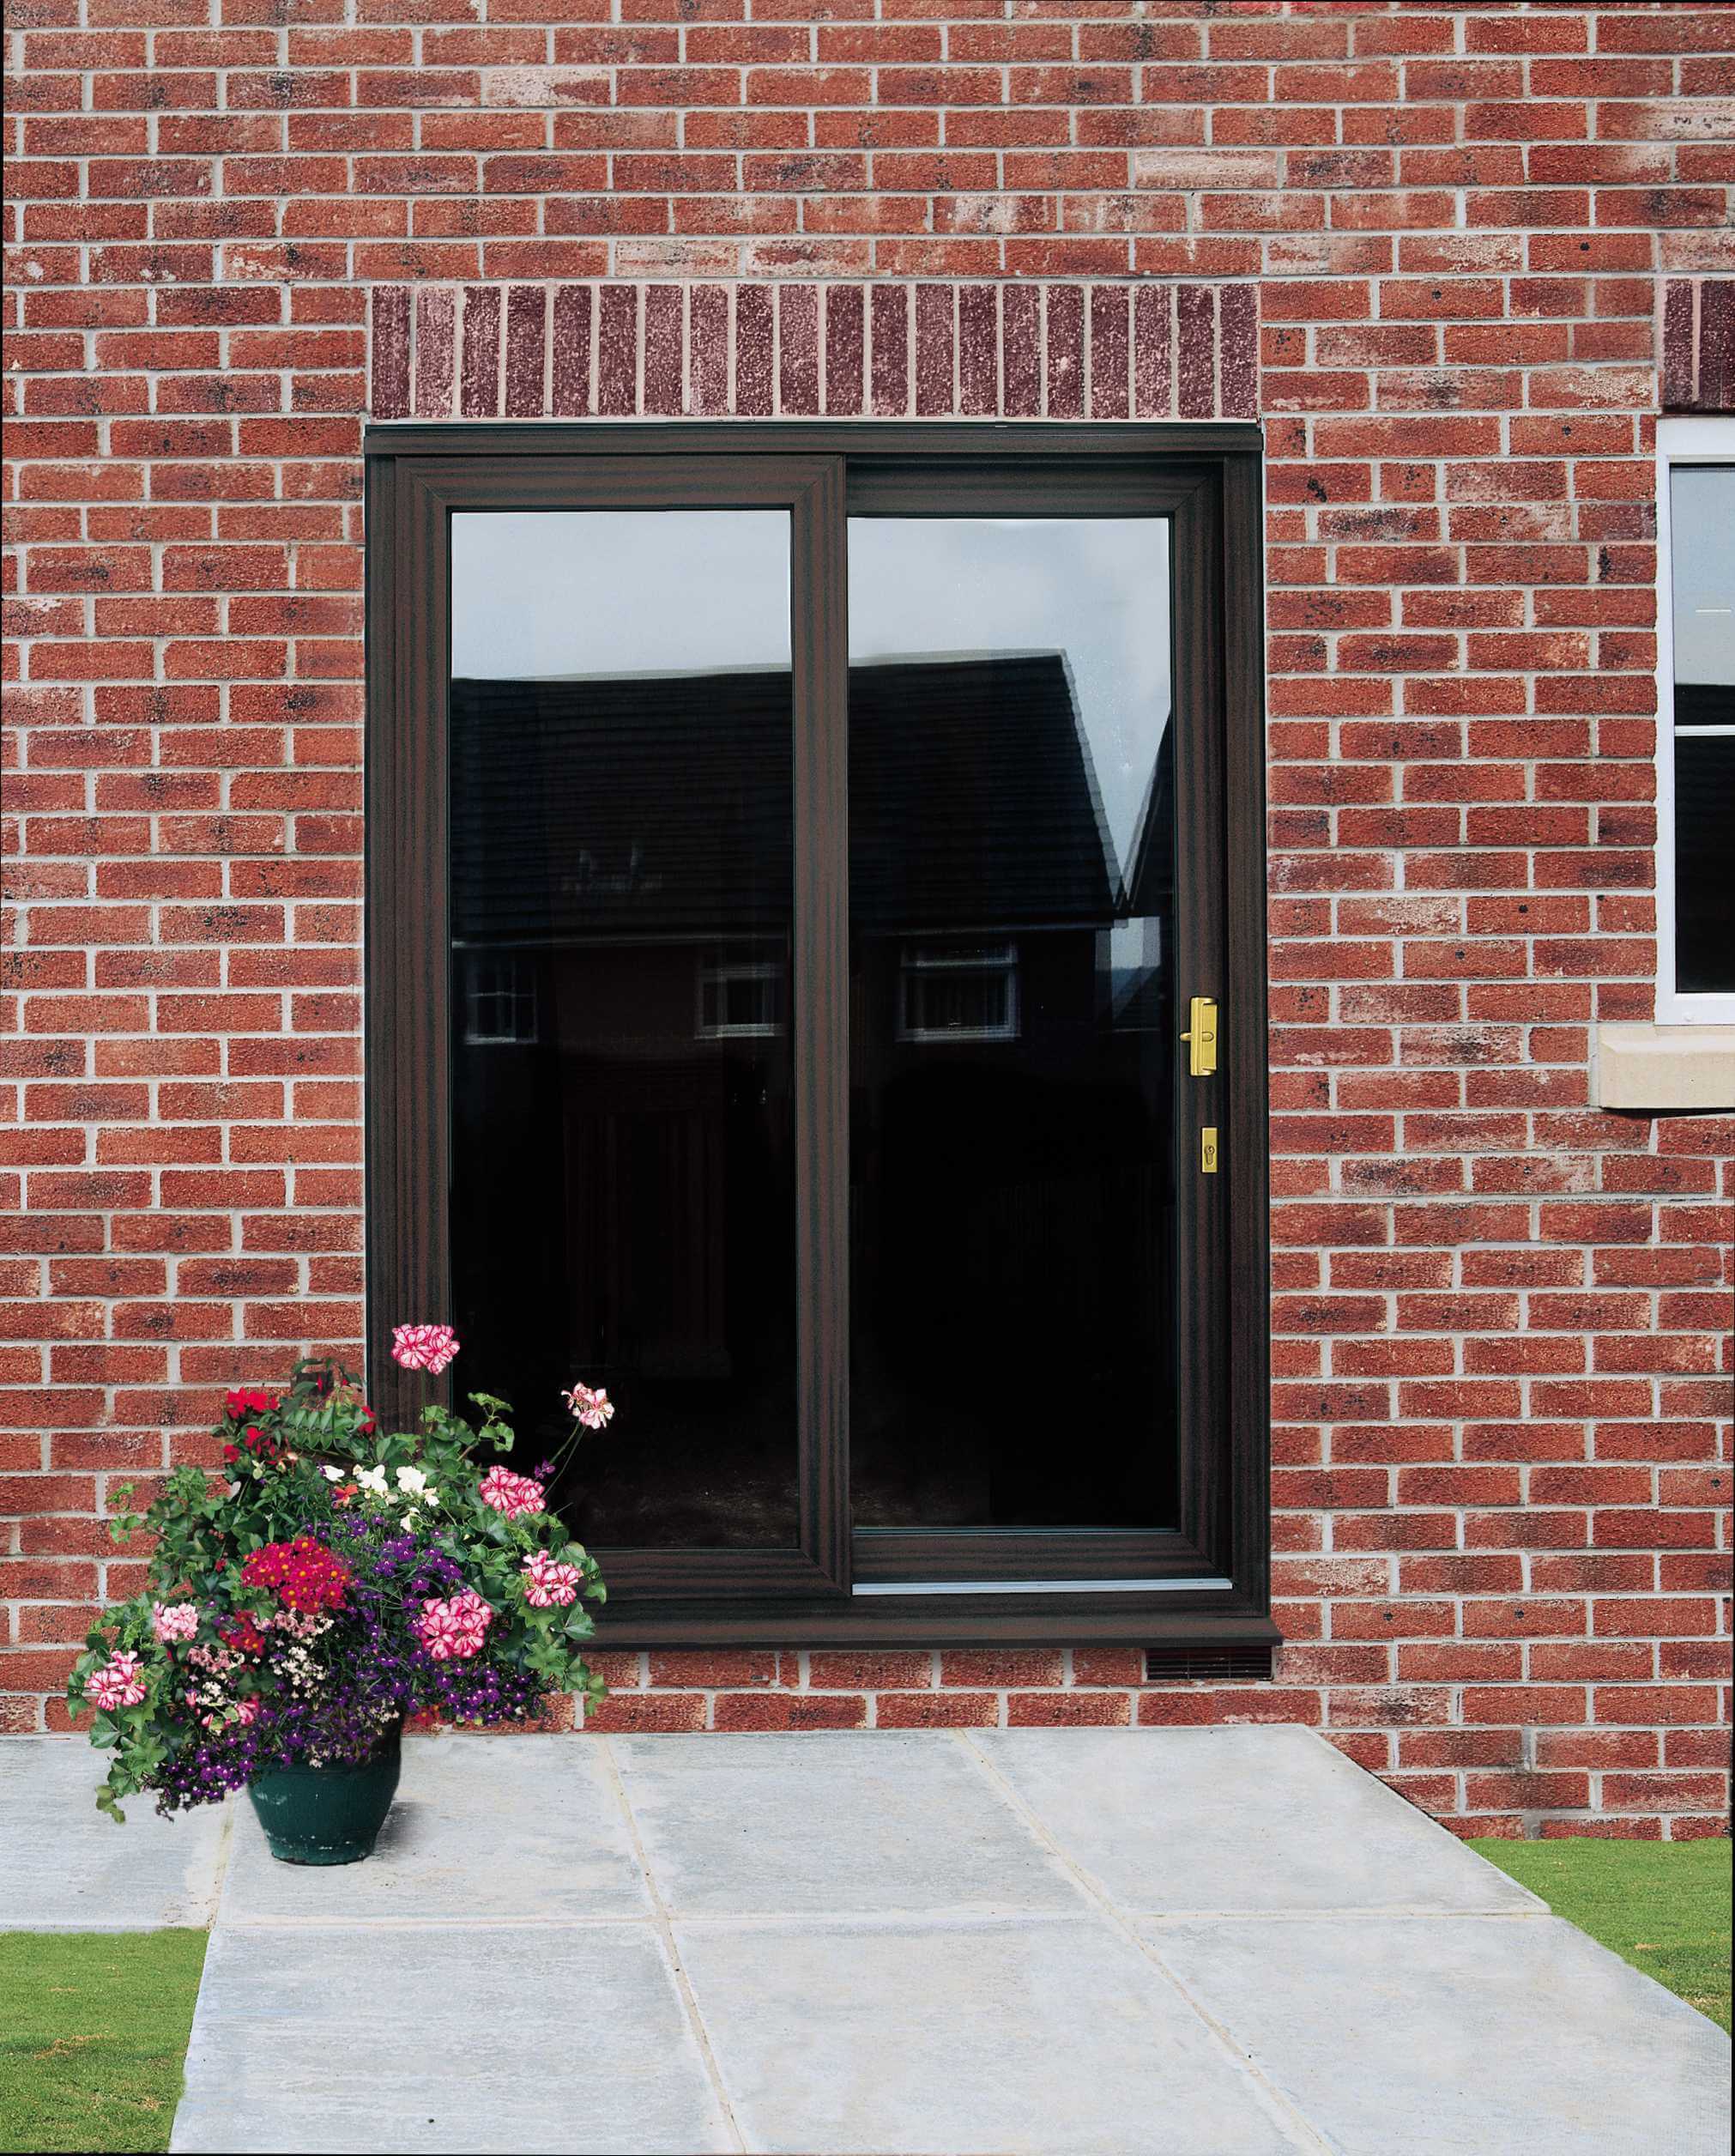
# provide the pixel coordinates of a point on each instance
(1012, 1023)
(623, 1201)
(1701, 521)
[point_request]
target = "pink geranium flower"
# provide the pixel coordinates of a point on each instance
(592, 1407)
(454, 1630)
(429, 1347)
(548, 1583)
(174, 1620)
(120, 1683)
(512, 1494)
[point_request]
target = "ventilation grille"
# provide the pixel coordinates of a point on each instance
(1207, 1665)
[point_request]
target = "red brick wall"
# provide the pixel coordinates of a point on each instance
(1501, 1428)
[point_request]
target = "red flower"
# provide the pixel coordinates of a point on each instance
(303, 1574)
(256, 1443)
(242, 1634)
(246, 1401)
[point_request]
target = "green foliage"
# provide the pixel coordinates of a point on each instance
(94, 2027)
(1664, 1906)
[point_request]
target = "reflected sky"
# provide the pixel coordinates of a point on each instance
(1702, 533)
(542, 592)
(1098, 589)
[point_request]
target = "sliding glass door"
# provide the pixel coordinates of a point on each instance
(805, 1001)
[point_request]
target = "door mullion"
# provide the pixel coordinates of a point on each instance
(1203, 1349)
(819, 643)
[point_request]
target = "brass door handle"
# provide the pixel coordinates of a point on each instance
(1201, 1037)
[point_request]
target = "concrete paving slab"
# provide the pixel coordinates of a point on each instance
(65, 1866)
(477, 2038)
(885, 1945)
(1027, 2037)
(1464, 2036)
(1237, 1819)
(826, 1823)
(526, 1827)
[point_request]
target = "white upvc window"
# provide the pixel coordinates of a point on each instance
(741, 992)
(1695, 720)
(958, 991)
(500, 1002)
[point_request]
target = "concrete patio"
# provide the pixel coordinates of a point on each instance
(1200, 1942)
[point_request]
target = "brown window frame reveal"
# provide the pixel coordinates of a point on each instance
(1205, 1581)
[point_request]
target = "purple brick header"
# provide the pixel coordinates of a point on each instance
(623, 350)
(1699, 344)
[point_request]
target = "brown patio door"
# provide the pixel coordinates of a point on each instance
(793, 855)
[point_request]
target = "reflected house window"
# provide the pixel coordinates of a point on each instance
(960, 991)
(500, 1002)
(740, 991)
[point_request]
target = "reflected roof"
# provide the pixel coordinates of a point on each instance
(659, 805)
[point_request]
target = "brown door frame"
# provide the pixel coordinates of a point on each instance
(1214, 1567)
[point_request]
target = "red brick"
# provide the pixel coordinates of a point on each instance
(790, 1710)
(658, 1710)
(707, 1668)
(1030, 1709)
(936, 1711)
(869, 1669)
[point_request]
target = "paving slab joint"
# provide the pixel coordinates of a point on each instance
(220, 1867)
(1292, 2122)
(665, 1931)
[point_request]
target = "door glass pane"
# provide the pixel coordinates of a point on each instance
(1011, 1024)
(622, 845)
(1701, 525)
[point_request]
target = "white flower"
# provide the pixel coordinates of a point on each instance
(332, 1474)
(412, 1482)
(372, 1479)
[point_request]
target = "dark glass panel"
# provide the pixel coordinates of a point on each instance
(1012, 1023)
(1705, 864)
(623, 1197)
(1702, 530)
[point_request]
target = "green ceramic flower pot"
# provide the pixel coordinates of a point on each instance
(328, 1815)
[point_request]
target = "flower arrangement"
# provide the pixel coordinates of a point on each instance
(335, 1580)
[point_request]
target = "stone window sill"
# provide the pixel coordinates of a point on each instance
(1659, 1068)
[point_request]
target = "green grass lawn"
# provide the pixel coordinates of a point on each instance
(1662, 1906)
(94, 2027)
